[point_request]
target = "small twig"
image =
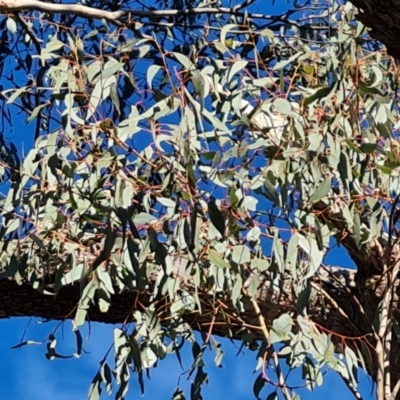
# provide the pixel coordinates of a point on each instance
(335, 305)
(275, 359)
(245, 4)
(117, 17)
(348, 291)
(212, 325)
(35, 40)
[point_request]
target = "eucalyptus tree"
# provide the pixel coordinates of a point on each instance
(192, 166)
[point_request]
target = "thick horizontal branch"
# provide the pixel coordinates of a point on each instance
(116, 17)
(23, 301)
(76, 9)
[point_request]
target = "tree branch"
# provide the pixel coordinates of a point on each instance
(264, 329)
(351, 387)
(76, 9)
(116, 17)
(23, 300)
(35, 40)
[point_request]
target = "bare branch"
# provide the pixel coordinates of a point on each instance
(245, 4)
(76, 9)
(116, 17)
(36, 41)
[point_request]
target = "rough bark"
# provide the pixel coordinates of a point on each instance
(22, 300)
(382, 17)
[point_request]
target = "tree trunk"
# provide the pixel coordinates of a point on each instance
(383, 18)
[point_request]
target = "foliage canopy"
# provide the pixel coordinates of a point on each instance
(206, 157)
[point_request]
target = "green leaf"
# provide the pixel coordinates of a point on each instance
(95, 389)
(240, 254)
(106, 376)
(221, 47)
(225, 30)
(291, 255)
(235, 68)
(258, 385)
(215, 258)
(378, 76)
(151, 73)
(169, 203)
(143, 219)
(100, 92)
(321, 94)
(219, 353)
(267, 33)
(278, 252)
(253, 234)
(105, 278)
(111, 69)
(84, 302)
(36, 112)
(185, 61)
(281, 64)
(16, 94)
(369, 148)
(237, 290)
(12, 226)
(11, 25)
(283, 106)
(260, 264)
(53, 45)
(352, 364)
(216, 217)
(202, 88)
(26, 343)
(79, 343)
(321, 191)
(264, 82)
(281, 328)
(178, 395)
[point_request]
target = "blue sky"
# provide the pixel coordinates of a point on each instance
(27, 375)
